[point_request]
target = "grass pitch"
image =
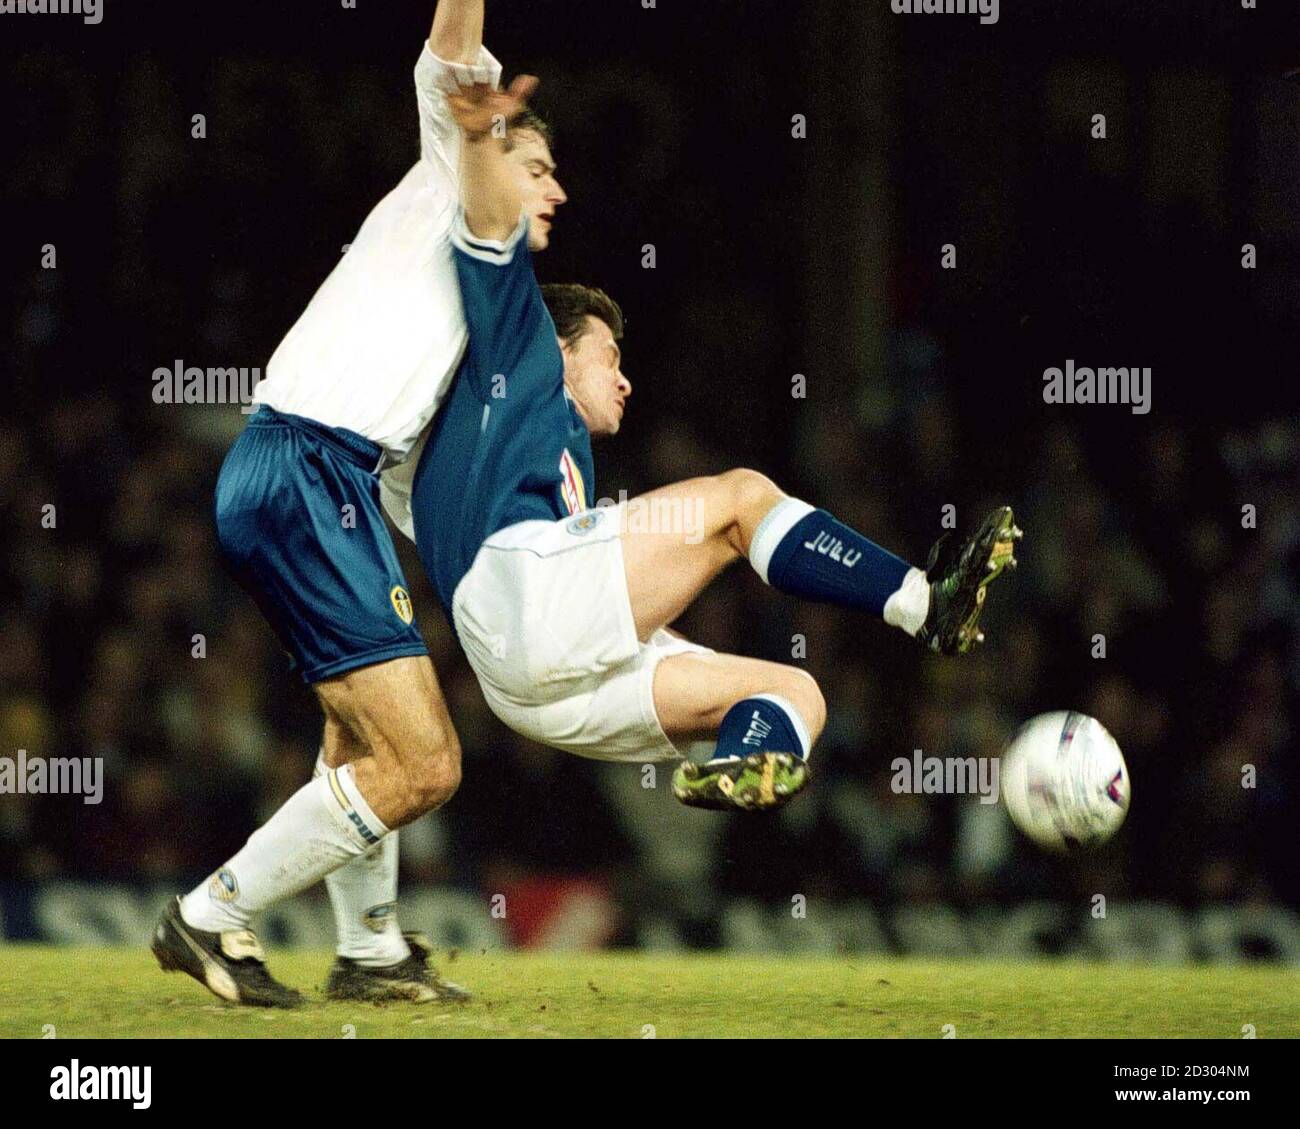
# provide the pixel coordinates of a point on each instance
(120, 993)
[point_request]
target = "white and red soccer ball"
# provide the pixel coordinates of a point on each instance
(1064, 781)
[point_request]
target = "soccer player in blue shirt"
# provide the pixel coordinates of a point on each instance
(562, 609)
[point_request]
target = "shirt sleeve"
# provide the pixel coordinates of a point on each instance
(435, 78)
(503, 304)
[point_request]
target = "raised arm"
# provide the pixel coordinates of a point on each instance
(457, 31)
(489, 186)
(452, 58)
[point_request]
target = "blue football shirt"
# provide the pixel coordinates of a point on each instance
(508, 444)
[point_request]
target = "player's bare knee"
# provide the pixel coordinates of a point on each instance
(434, 778)
(750, 495)
(749, 489)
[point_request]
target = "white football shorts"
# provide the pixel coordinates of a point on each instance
(544, 617)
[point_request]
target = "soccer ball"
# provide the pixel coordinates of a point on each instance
(1064, 781)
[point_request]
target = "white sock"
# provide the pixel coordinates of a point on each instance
(771, 531)
(908, 607)
(323, 825)
(363, 894)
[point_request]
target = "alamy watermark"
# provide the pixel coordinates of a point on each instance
(53, 776)
(946, 776)
(91, 11)
(672, 512)
(1083, 385)
(987, 10)
(182, 384)
(76, 1082)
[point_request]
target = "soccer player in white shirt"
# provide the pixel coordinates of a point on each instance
(349, 391)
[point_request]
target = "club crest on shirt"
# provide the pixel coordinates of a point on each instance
(583, 524)
(402, 604)
(572, 487)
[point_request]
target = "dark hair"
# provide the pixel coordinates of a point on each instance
(532, 122)
(571, 304)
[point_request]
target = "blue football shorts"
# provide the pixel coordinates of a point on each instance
(300, 526)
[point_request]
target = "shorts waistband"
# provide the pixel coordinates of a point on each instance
(357, 449)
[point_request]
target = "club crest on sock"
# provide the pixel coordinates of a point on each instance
(378, 918)
(223, 887)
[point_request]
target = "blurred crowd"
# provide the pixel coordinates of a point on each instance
(1163, 599)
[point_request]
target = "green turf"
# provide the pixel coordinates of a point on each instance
(120, 993)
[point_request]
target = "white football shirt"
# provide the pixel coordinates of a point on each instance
(377, 347)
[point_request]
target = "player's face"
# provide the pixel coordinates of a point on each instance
(541, 192)
(593, 374)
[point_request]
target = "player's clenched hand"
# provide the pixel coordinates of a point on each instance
(482, 110)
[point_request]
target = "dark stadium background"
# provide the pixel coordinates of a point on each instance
(776, 256)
